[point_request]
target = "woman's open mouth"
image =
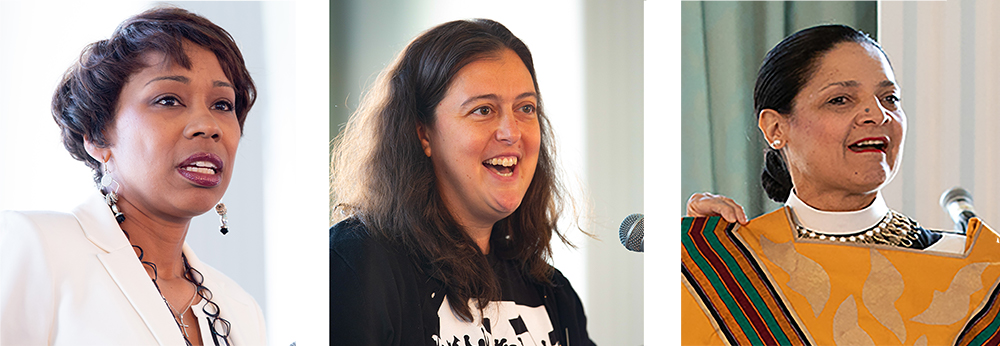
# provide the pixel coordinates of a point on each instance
(203, 169)
(870, 145)
(503, 166)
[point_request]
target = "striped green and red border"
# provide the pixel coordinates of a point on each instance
(733, 287)
(984, 328)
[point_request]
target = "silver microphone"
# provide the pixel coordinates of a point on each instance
(957, 203)
(630, 232)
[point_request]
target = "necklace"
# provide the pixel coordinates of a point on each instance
(179, 316)
(894, 229)
(218, 326)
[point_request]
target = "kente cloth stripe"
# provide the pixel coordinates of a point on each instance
(722, 279)
(984, 328)
(735, 287)
(704, 298)
(763, 285)
(717, 294)
(758, 285)
(736, 270)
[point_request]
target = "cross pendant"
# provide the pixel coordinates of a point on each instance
(184, 328)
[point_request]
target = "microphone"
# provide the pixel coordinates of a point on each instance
(957, 203)
(630, 232)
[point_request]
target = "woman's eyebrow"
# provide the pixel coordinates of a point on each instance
(493, 97)
(187, 80)
(181, 79)
(527, 95)
(846, 84)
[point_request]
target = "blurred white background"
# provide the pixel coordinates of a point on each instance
(945, 57)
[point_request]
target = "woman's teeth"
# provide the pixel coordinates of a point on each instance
(202, 167)
(871, 143)
(502, 165)
(505, 161)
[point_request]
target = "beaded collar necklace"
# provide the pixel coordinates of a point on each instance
(894, 229)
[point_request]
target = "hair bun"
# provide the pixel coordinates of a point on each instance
(775, 178)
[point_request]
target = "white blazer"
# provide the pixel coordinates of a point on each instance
(73, 279)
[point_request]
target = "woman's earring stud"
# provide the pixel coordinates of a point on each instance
(776, 143)
(221, 209)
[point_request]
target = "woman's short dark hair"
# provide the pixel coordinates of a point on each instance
(381, 176)
(785, 71)
(85, 103)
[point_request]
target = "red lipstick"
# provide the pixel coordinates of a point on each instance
(870, 144)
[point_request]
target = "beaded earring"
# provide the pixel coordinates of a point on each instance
(110, 188)
(221, 209)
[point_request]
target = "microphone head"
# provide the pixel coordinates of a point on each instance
(955, 194)
(957, 203)
(630, 232)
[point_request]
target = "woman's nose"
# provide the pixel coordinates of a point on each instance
(202, 123)
(508, 130)
(874, 113)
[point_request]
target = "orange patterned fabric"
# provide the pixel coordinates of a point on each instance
(846, 294)
(721, 272)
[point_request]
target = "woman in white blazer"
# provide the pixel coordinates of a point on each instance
(157, 111)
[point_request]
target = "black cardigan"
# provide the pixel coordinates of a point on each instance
(380, 296)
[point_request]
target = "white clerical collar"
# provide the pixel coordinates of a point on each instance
(837, 222)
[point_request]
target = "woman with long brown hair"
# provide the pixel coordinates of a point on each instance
(445, 187)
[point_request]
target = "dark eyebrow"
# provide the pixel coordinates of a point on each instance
(887, 83)
(527, 95)
(181, 79)
(185, 80)
(846, 84)
(495, 97)
(480, 97)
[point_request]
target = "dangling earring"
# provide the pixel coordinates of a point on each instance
(221, 209)
(111, 193)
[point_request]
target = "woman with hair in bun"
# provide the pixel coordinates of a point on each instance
(157, 112)
(835, 265)
(444, 181)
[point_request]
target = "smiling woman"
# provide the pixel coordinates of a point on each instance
(487, 116)
(835, 265)
(157, 111)
(843, 135)
(447, 198)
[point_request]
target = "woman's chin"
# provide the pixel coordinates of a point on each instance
(198, 204)
(871, 182)
(506, 208)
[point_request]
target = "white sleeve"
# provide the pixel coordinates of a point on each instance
(27, 309)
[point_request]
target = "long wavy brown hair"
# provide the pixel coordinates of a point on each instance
(381, 176)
